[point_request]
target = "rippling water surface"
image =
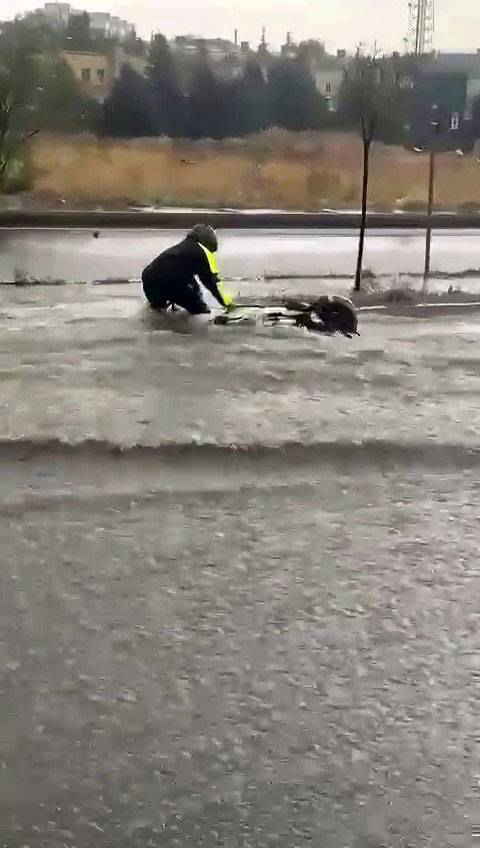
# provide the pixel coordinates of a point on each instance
(239, 579)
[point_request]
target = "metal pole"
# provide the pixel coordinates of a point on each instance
(435, 129)
(431, 194)
(418, 36)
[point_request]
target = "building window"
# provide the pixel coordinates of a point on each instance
(455, 121)
(85, 74)
(101, 74)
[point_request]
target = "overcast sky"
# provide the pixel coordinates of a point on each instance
(340, 23)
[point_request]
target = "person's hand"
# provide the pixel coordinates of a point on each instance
(227, 298)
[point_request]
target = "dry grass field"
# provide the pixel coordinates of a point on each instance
(274, 170)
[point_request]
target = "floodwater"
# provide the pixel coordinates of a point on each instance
(78, 255)
(240, 582)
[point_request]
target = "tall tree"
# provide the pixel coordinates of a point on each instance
(369, 96)
(19, 68)
(206, 101)
(127, 112)
(166, 94)
(255, 98)
(295, 102)
(61, 105)
(312, 53)
(37, 90)
(245, 103)
(18, 98)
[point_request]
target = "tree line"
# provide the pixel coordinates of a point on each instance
(195, 101)
(177, 97)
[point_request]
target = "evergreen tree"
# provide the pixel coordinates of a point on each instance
(255, 98)
(19, 70)
(294, 100)
(127, 112)
(312, 53)
(245, 110)
(206, 102)
(37, 90)
(60, 104)
(166, 95)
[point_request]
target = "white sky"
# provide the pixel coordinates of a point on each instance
(340, 23)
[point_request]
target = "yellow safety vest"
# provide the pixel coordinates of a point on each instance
(212, 264)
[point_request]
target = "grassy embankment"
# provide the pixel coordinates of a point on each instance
(275, 170)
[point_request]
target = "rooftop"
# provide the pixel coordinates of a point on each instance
(468, 63)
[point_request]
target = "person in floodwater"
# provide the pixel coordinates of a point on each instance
(171, 279)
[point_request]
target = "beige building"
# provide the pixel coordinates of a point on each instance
(97, 72)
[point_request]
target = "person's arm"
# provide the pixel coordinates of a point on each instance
(211, 281)
(209, 276)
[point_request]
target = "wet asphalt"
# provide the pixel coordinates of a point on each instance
(79, 255)
(239, 580)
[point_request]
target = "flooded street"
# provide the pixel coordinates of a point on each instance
(77, 255)
(240, 571)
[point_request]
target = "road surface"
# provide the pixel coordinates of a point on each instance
(239, 580)
(112, 255)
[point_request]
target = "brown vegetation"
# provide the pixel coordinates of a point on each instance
(276, 170)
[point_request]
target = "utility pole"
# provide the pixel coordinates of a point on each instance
(435, 130)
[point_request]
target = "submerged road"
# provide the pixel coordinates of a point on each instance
(79, 255)
(240, 580)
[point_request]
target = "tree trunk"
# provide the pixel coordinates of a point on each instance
(428, 235)
(367, 143)
(5, 111)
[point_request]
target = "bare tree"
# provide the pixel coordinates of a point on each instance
(370, 93)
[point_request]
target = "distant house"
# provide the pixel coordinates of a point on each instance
(102, 24)
(96, 72)
(445, 85)
(467, 64)
(227, 57)
(217, 49)
(329, 82)
(439, 98)
(327, 71)
(120, 29)
(57, 14)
